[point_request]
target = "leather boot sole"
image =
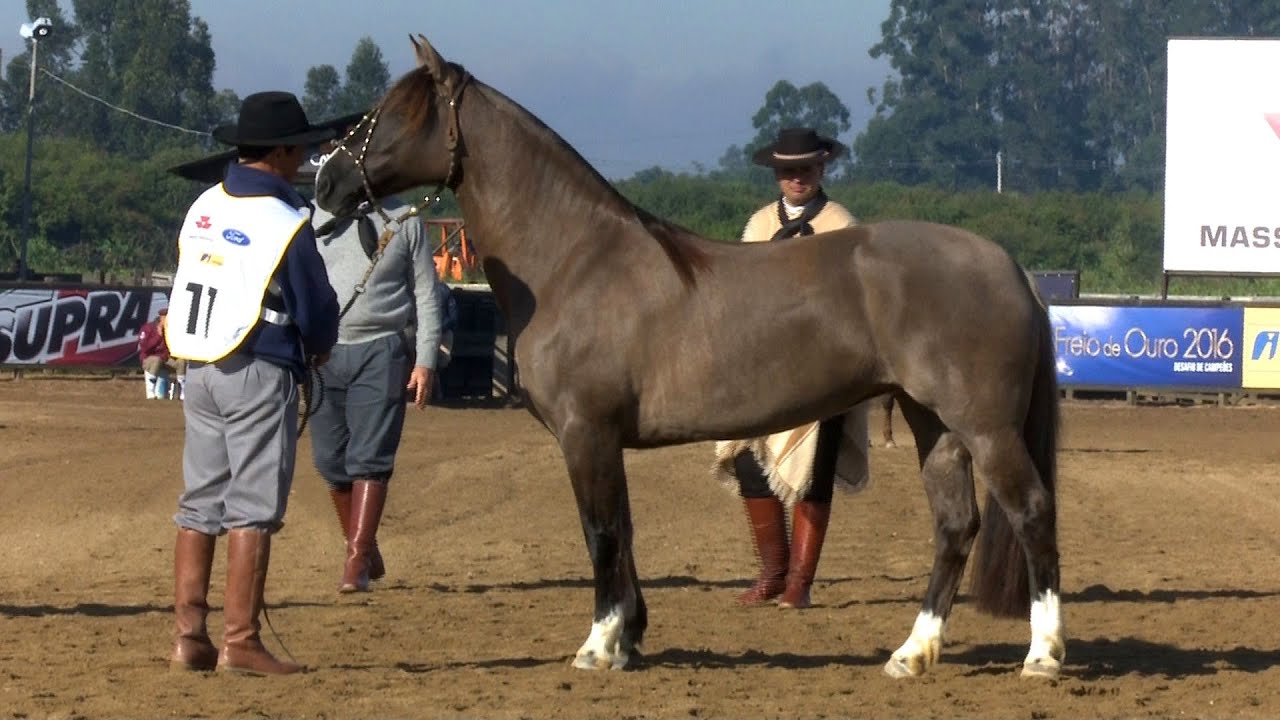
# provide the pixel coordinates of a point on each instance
(279, 668)
(201, 660)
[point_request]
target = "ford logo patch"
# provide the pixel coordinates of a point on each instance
(235, 237)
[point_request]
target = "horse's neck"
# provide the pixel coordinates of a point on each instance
(530, 201)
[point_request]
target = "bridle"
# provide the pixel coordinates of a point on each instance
(392, 225)
(369, 122)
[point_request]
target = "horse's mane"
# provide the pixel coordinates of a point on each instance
(680, 245)
(412, 99)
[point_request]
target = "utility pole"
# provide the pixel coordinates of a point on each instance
(23, 271)
(33, 31)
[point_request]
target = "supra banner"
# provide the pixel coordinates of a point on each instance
(1115, 346)
(74, 327)
(1222, 145)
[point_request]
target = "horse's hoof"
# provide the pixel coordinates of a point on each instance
(909, 666)
(889, 444)
(592, 660)
(1043, 668)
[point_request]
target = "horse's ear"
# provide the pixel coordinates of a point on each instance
(428, 57)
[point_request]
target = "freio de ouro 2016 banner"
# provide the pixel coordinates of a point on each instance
(74, 327)
(1114, 346)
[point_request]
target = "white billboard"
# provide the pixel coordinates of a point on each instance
(1222, 153)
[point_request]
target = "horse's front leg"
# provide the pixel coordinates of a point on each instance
(594, 458)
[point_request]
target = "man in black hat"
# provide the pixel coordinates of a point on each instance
(251, 304)
(798, 157)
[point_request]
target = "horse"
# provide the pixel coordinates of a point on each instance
(632, 332)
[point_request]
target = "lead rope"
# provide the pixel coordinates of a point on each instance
(312, 394)
(267, 618)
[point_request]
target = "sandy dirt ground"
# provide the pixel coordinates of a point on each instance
(1170, 556)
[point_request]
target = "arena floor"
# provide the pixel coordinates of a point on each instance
(1170, 550)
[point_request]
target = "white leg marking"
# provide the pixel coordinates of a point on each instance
(921, 651)
(1048, 646)
(601, 651)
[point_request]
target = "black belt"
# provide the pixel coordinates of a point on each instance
(241, 358)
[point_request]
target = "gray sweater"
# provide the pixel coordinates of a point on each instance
(400, 295)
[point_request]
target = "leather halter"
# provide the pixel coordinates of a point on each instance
(370, 122)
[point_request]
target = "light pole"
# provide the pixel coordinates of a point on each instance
(34, 31)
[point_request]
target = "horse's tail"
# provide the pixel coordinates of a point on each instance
(1000, 582)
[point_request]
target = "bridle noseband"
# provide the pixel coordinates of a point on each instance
(369, 122)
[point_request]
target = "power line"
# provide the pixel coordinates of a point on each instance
(117, 108)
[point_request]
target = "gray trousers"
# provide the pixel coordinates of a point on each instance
(356, 429)
(241, 441)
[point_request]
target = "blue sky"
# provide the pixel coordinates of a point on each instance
(629, 84)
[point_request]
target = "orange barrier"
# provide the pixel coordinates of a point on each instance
(454, 255)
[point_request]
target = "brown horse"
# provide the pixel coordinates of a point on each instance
(631, 332)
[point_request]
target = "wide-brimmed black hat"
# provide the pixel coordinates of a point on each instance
(270, 119)
(797, 147)
(213, 168)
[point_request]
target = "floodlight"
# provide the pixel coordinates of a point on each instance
(37, 29)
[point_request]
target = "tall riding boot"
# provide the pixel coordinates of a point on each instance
(768, 521)
(341, 497)
(368, 497)
(809, 529)
(192, 565)
(248, 556)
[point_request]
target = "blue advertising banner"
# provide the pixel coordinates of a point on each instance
(1148, 346)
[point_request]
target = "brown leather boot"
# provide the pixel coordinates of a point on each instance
(248, 556)
(367, 500)
(192, 565)
(768, 520)
(809, 529)
(342, 504)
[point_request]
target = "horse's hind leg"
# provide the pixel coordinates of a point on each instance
(1005, 463)
(948, 482)
(594, 458)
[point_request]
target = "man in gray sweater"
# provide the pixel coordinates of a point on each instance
(388, 336)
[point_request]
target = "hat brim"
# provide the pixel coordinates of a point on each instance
(828, 151)
(226, 134)
(209, 169)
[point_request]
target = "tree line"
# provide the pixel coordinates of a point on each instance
(1067, 94)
